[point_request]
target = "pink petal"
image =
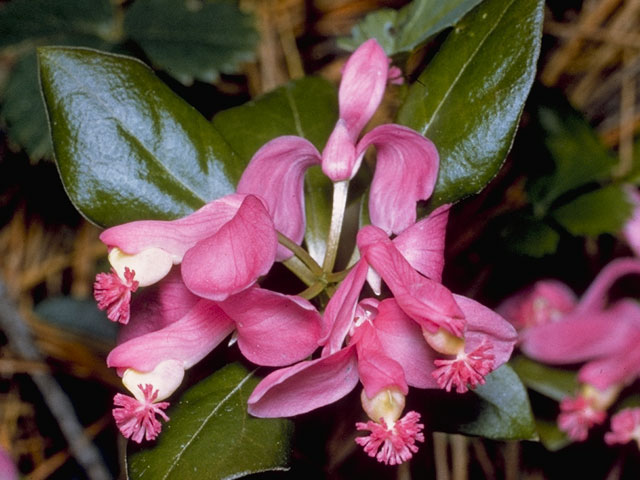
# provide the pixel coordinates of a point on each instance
(364, 80)
(340, 311)
(595, 298)
(158, 306)
(376, 369)
(339, 159)
(273, 329)
(486, 326)
(401, 339)
(582, 336)
(232, 258)
(429, 303)
(620, 369)
(406, 172)
(276, 173)
(8, 470)
(187, 340)
(546, 301)
(305, 386)
(177, 236)
(422, 244)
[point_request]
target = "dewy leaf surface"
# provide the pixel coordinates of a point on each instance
(307, 108)
(126, 146)
(469, 99)
(400, 31)
(211, 435)
(192, 39)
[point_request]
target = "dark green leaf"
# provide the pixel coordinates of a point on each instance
(211, 435)
(126, 146)
(307, 108)
(400, 31)
(578, 154)
(37, 22)
(192, 39)
(78, 315)
(604, 210)
(469, 98)
(529, 236)
(22, 109)
(551, 436)
(551, 382)
(499, 409)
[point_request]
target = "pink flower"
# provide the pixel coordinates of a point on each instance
(406, 167)
(223, 248)
(602, 337)
(172, 329)
(625, 427)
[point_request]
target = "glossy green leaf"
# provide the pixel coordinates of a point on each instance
(126, 146)
(469, 99)
(499, 409)
(36, 22)
(529, 236)
(551, 382)
(400, 31)
(80, 316)
(192, 39)
(605, 210)
(578, 154)
(211, 435)
(307, 108)
(22, 110)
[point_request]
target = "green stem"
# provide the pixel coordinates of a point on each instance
(313, 291)
(302, 254)
(300, 270)
(340, 190)
(337, 277)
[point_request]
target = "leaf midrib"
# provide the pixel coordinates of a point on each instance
(155, 160)
(427, 124)
(177, 457)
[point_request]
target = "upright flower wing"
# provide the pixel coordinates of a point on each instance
(283, 161)
(273, 329)
(595, 298)
(305, 386)
(232, 258)
(422, 244)
(406, 172)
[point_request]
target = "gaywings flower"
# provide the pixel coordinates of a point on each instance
(406, 166)
(172, 329)
(560, 331)
(223, 248)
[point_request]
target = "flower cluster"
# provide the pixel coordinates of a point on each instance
(556, 328)
(205, 267)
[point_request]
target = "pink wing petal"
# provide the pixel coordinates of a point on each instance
(340, 311)
(429, 303)
(401, 339)
(232, 258)
(364, 80)
(376, 369)
(595, 298)
(273, 329)
(158, 306)
(406, 172)
(486, 326)
(582, 336)
(546, 301)
(177, 236)
(305, 386)
(619, 369)
(276, 173)
(422, 244)
(187, 340)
